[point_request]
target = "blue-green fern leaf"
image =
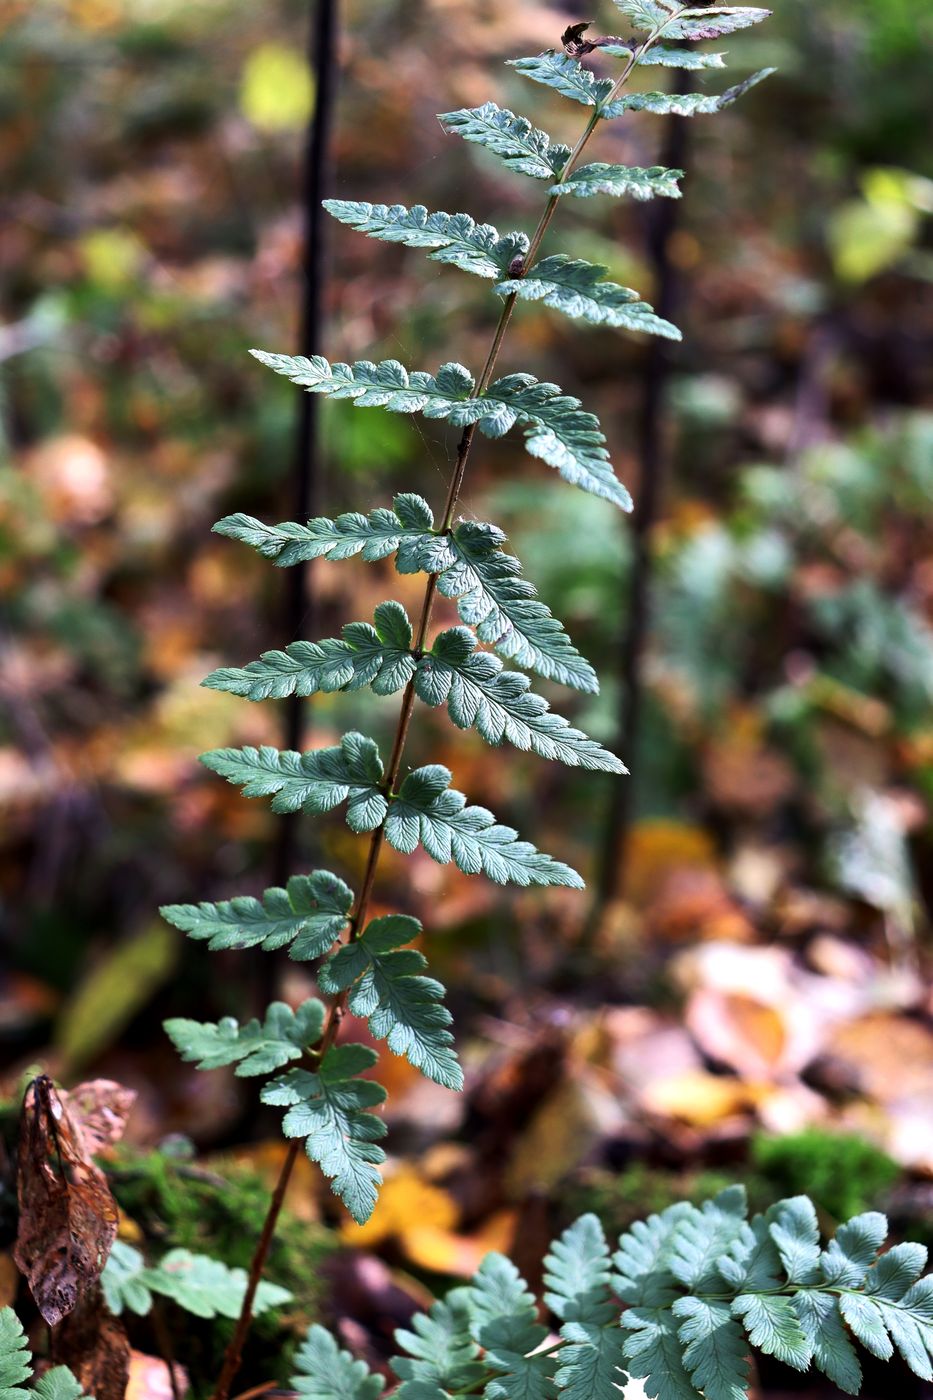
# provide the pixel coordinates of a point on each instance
(499, 704)
(376, 655)
(404, 529)
(330, 1109)
(15, 1358)
(578, 1275)
(309, 914)
(442, 1355)
(522, 146)
(557, 428)
(387, 985)
(455, 238)
(622, 181)
(257, 1047)
(429, 811)
(318, 781)
(566, 76)
(504, 1323)
(578, 289)
(691, 104)
(714, 1348)
(324, 1372)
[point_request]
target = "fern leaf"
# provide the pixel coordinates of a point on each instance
(660, 55)
(846, 1259)
(330, 1110)
(206, 1287)
(751, 1262)
(714, 1348)
(318, 781)
(324, 1372)
(703, 1235)
(691, 104)
(375, 655)
(644, 14)
(864, 1317)
(505, 1325)
(578, 289)
(58, 1384)
(404, 1007)
(310, 913)
(833, 1353)
(499, 705)
(774, 1327)
(713, 23)
(456, 238)
(643, 1260)
(256, 1047)
(442, 1356)
(578, 1273)
(654, 1354)
(405, 529)
(15, 1359)
(522, 146)
(566, 76)
(621, 180)
(557, 429)
(429, 811)
(796, 1232)
(493, 597)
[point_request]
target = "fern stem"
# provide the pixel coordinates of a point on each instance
(358, 916)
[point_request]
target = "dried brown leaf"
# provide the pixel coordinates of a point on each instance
(94, 1344)
(67, 1216)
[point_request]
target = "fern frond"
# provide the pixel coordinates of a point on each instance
(309, 913)
(714, 1348)
(493, 597)
(318, 781)
(500, 705)
(404, 529)
(578, 289)
(714, 22)
(621, 180)
(429, 811)
(324, 1372)
(256, 1047)
(691, 104)
(377, 655)
(566, 76)
(442, 1356)
(504, 1323)
(557, 429)
(330, 1109)
(660, 56)
(456, 238)
(403, 1007)
(578, 1276)
(15, 1358)
(522, 146)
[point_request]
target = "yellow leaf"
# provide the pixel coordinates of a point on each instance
(276, 89)
(406, 1202)
(112, 257)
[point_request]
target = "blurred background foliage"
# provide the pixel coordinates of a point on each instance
(763, 966)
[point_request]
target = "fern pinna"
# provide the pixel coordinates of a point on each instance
(374, 973)
(701, 1288)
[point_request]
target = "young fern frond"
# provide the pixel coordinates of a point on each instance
(371, 973)
(16, 1367)
(692, 1291)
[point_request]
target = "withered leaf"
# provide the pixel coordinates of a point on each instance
(94, 1345)
(99, 1109)
(577, 47)
(67, 1216)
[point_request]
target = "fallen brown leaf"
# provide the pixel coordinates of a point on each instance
(67, 1216)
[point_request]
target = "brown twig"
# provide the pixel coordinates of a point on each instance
(358, 916)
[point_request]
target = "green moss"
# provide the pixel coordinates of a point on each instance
(843, 1173)
(218, 1209)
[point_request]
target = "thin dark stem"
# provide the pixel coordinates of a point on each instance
(165, 1347)
(298, 603)
(357, 918)
(661, 226)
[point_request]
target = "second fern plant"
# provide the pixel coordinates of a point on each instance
(374, 973)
